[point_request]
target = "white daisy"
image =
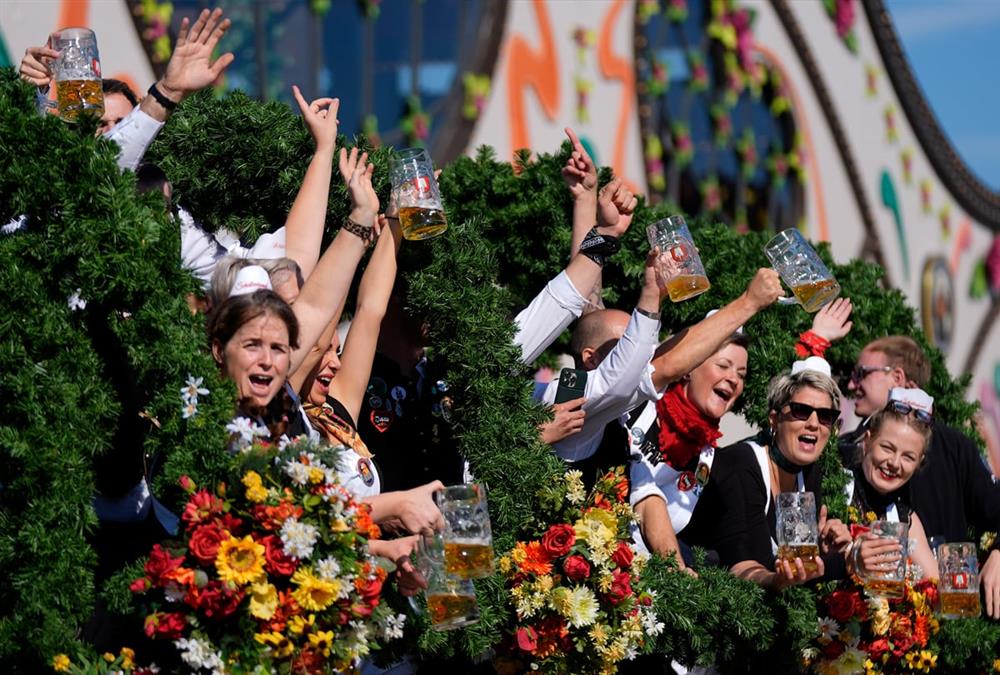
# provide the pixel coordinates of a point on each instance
(247, 429)
(298, 538)
(298, 472)
(328, 569)
(75, 302)
(392, 628)
(192, 389)
(199, 654)
(828, 630)
(190, 409)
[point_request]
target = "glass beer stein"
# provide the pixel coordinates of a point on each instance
(468, 539)
(415, 191)
(958, 591)
(802, 269)
(451, 601)
(890, 583)
(797, 531)
(77, 74)
(679, 272)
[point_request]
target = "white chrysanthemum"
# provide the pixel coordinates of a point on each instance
(298, 472)
(192, 389)
(576, 493)
(75, 302)
(851, 661)
(247, 429)
(190, 409)
(392, 627)
(298, 538)
(581, 607)
(828, 630)
(328, 569)
(199, 654)
(650, 624)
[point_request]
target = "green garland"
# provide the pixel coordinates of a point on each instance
(89, 231)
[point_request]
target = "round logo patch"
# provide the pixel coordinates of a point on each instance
(398, 393)
(366, 471)
(686, 481)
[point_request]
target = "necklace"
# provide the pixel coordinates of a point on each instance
(781, 461)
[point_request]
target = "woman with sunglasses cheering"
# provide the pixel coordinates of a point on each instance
(893, 449)
(736, 513)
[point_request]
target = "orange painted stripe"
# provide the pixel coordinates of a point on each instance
(73, 13)
(617, 68)
(538, 69)
(802, 123)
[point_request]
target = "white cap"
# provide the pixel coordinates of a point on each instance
(814, 363)
(915, 398)
(249, 279)
(739, 329)
(271, 245)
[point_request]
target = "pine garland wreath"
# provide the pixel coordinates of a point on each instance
(237, 164)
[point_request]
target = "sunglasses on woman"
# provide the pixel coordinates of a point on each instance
(802, 412)
(904, 408)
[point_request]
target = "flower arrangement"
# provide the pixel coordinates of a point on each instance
(875, 635)
(106, 664)
(273, 570)
(575, 589)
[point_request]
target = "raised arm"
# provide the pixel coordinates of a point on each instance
(683, 352)
(580, 175)
(304, 225)
(359, 348)
(325, 290)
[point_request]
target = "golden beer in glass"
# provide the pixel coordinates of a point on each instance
(958, 587)
(679, 272)
(685, 286)
(468, 559)
(451, 610)
(813, 295)
(884, 588)
(890, 583)
(415, 192)
(957, 605)
(802, 270)
(808, 552)
(468, 538)
(77, 74)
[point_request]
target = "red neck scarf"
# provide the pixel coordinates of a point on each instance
(684, 431)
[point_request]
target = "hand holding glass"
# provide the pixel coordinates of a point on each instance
(451, 601)
(77, 73)
(802, 269)
(797, 531)
(889, 582)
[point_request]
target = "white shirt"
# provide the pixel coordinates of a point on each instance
(548, 315)
(617, 385)
(202, 250)
(134, 134)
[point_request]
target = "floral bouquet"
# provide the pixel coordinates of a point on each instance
(272, 572)
(875, 635)
(574, 589)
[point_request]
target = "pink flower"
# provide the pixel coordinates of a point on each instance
(845, 17)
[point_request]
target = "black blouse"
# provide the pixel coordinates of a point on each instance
(730, 517)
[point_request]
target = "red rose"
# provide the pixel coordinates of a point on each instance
(621, 588)
(527, 639)
(166, 626)
(204, 543)
(833, 650)
(161, 562)
(277, 561)
(877, 648)
(558, 540)
(576, 568)
(623, 555)
(840, 606)
(371, 590)
(140, 585)
(215, 601)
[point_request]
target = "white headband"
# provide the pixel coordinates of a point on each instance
(249, 279)
(915, 398)
(814, 363)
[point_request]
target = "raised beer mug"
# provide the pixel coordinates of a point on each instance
(468, 539)
(797, 531)
(958, 590)
(679, 272)
(77, 73)
(451, 600)
(889, 583)
(415, 191)
(802, 269)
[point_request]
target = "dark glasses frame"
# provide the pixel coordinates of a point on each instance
(802, 412)
(861, 372)
(904, 408)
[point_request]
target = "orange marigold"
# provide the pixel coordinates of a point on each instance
(536, 561)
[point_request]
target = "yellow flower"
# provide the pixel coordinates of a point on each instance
(240, 561)
(322, 640)
(316, 476)
(504, 563)
(281, 646)
(298, 625)
(256, 494)
(339, 525)
(108, 656)
(519, 555)
(599, 634)
(128, 658)
(870, 517)
(928, 660)
(313, 593)
(61, 663)
(996, 665)
(263, 600)
(251, 479)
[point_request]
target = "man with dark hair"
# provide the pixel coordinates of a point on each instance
(119, 100)
(953, 491)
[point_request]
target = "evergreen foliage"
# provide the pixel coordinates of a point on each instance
(236, 163)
